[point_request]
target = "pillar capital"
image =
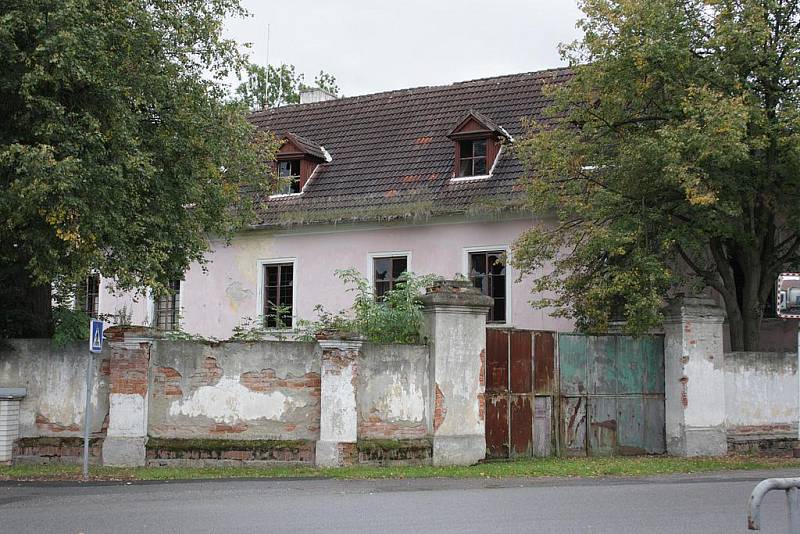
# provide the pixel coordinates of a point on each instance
(457, 294)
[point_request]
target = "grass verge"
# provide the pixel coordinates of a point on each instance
(540, 467)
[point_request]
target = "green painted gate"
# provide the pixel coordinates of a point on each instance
(611, 394)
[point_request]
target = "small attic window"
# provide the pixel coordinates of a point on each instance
(472, 160)
(289, 174)
(477, 141)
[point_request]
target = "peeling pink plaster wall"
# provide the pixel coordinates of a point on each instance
(213, 302)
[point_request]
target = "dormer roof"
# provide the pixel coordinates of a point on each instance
(475, 123)
(294, 145)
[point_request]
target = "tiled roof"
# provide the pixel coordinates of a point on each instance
(390, 153)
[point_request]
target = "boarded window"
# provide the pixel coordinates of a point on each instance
(168, 308)
(278, 295)
(289, 172)
(87, 296)
(487, 271)
(472, 158)
(386, 273)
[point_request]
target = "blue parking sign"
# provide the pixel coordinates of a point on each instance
(96, 335)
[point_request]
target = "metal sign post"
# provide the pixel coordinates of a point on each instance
(95, 346)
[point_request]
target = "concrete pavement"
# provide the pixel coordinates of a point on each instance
(707, 504)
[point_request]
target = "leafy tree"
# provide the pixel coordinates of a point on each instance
(119, 149)
(271, 86)
(672, 161)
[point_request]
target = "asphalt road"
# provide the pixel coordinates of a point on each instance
(714, 503)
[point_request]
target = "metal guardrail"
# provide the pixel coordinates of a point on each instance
(792, 488)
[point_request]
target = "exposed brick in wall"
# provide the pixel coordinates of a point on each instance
(482, 406)
(336, 360)
(439, 409)
(375, 428)
(128, 370)
(483, 368)
(266, 381)
(223, 428)
(348, 452)
(45, 425)
(53, 449)
(248, 451)
(208, 374)
(167, 382)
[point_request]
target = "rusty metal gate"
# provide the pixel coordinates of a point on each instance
(520, 367)
(611, 394)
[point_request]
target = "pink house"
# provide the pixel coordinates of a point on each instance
(423, 180)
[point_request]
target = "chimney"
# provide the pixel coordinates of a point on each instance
(315, 94)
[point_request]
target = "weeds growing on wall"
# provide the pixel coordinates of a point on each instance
(396, 317)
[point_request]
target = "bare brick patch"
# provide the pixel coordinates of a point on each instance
(56, 450)
(439, 409)
(375, 427)
(228, 452)
(395, 452)
(167, 382)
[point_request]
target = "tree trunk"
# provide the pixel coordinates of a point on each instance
(25, 308)
(735, 324)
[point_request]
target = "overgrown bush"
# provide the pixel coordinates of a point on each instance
(396, 317)
(69, 325)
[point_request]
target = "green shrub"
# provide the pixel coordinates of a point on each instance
(69, 325)
(394, 318)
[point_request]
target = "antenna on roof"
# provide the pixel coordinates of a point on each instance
(266, 89)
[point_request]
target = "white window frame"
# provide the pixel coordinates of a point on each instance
(151, 305)
(372, 256)
(456, 178)
(260, 264)
(509, 322)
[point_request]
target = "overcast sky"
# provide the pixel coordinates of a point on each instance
(379, 45)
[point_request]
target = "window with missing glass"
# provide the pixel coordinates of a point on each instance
(472, 157)
(487, 271)
(87, 295)
(278, 295)
(167, 308)
(289, 174)
(386, 273)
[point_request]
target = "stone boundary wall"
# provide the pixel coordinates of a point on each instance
(761, 400)
(267, 390)
(391, 392)
(227, 404)
(55, 380)
(335, 402)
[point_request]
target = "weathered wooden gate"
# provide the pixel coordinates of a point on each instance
(573, 394)
(611, 394)
(520, 367)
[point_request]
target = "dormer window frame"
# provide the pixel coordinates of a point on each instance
(306, 154)
(471, 128)
(295, 178)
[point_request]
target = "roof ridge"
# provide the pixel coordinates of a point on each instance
(266, 112)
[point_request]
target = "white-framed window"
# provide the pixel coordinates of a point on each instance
(384, 270)
(277, 292)
(486, 269)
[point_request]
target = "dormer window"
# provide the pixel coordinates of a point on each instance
(297, 160)
(289, 174)
(473, 158)
(477, 142)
